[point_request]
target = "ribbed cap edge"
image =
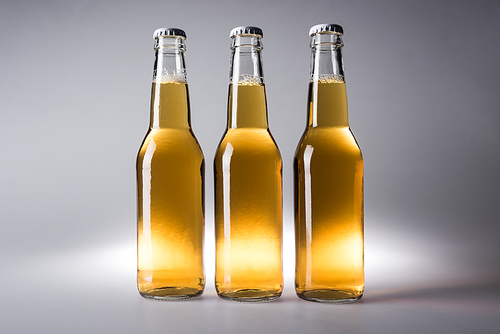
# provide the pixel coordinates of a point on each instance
(326, 28)
(246, 30)
(174, 32)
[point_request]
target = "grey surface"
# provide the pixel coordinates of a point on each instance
(423, 94)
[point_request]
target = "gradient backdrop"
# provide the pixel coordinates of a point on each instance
(424, 96)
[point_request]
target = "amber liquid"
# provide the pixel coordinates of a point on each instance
(248, 202)
(328, 171)
(170, 176)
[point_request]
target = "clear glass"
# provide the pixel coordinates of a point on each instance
(248, 187)
(328, 182)
(170, 183)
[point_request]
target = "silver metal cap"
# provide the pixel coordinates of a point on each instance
(173, 32)
(326, 28)
(246, 30)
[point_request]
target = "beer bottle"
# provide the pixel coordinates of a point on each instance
(170, 183)
(328, 182)
(248, 184)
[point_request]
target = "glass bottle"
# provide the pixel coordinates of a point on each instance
(328, 182)
(248, 184)
(170, 183)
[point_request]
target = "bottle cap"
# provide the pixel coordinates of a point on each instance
(171, 32)
(326, 28)
(246, 30)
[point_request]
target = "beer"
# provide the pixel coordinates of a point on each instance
(248, 185)
(328, 175)
(170, 181)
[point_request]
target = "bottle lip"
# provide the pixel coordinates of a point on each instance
(326, 28)
(169, 32)
(246, 31)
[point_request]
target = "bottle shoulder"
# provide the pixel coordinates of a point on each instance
(248, 141)
(334, 141)
(171, 141)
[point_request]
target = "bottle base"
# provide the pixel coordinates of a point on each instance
(171, 293)
(250, 295)
(330, 296)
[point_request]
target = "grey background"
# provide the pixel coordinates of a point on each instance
(423, 90)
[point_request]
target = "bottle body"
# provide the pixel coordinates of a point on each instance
(248, 214)
(248, 200)
(328, 181)
(170, 182)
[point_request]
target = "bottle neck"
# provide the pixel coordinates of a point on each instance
(169, 94)
(327, 93)
(247, 107)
